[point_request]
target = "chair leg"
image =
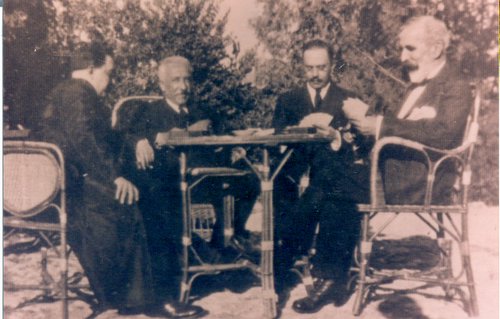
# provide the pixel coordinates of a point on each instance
(473, 305)
(365, 250)
(185, 286)
(228, 207)
(467, 266)
(64, 276)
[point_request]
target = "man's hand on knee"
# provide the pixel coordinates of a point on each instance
(126, 192)
(144, 154)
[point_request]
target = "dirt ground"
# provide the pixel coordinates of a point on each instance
(226, 301)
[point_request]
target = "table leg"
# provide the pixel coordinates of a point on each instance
(267, 275)
(186, 229)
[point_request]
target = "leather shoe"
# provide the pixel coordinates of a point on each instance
(322, 294)
(177, 310)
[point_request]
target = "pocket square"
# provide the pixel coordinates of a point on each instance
(423, 112)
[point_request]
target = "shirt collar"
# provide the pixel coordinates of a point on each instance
(176, 107)
(436, 71)
(312, 91)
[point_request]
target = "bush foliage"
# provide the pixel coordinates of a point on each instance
(363, 34)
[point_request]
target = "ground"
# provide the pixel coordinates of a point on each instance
(225, 303)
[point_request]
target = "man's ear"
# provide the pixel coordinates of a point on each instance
(437, 50)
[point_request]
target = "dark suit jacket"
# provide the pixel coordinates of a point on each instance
(78, 121)
(404, 172)
(333, 171)
(139, 120)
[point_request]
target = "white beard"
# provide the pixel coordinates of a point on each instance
(418, 75)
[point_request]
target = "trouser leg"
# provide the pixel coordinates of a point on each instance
(113, 250)
(297, 231)
(163, 223)
(336, 241)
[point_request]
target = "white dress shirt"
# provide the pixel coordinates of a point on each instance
(410, 101)
(176, 107)
(312, 92)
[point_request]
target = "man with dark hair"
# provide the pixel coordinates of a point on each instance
(106, 228)
(338, 180)
(434, 113)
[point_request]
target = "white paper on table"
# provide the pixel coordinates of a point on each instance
(316, 119)
(264, 132)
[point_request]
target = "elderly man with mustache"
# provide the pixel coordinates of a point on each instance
(434, 113)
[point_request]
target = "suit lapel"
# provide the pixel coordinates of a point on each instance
(309, 107)
(431, 91)
(329, 103)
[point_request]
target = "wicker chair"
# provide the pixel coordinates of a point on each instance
(449, 224)
(35, 202)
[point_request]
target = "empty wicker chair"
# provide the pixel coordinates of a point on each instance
(35, 201)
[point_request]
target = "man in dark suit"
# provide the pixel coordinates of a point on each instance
(158, 172)
(338, 180)
(434, 113)
(106, 228)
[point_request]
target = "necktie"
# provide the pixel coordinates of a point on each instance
(317, 99)
(184, 117)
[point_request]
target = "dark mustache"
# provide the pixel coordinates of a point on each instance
(408, 67)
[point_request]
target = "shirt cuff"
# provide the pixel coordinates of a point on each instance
(378, 126)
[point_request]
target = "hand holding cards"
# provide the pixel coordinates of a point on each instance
(355, 109)
(316, 120)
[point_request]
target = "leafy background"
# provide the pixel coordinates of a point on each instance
(39, 34)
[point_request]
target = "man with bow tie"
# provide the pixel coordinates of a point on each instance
(338, 180)
(433, 113)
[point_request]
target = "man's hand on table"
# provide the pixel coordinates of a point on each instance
(126, 192)
(144, 154)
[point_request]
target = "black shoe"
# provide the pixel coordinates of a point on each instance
(177, 310)
(322, 294)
